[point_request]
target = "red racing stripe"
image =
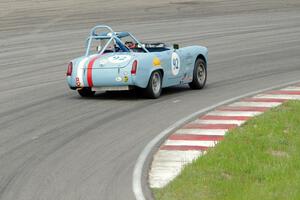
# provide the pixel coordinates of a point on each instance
(216, 117)
(263, 100)
(90, 71)
(183, 148)
(284, 92)
(209, 126)
(196, 137)
(243, 108)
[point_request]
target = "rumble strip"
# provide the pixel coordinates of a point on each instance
(195, 138)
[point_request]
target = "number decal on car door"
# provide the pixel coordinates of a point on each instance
(175, 63)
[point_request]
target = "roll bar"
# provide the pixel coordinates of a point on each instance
(111, 35)
(94, 29)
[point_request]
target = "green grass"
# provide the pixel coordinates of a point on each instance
(259, 160)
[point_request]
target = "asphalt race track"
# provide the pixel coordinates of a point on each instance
(56, 145)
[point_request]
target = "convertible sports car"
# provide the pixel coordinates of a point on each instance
(118, 61)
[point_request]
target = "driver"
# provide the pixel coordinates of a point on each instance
(130, 44)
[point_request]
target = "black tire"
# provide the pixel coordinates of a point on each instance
(199, 75)
(86, 92)
(154, 87)
(139, 91)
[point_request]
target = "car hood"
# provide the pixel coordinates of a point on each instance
(108, 60)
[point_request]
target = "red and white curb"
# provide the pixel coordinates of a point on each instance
(195, 138)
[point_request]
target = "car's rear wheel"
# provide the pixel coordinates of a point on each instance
(154, 87)
(86, 92)
(199, 75)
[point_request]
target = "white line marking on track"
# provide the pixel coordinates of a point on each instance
(206, 121)
(255, 104)
(278, 96)
(218, 132)
(168, 164)
(191, 143)
(235, 113)
(176, 101)
(177, 156)
(291, 89)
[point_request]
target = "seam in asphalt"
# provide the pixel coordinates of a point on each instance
(140, 186)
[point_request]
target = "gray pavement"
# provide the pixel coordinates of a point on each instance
(56, 145)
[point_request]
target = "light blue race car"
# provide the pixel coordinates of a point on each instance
(118, 61)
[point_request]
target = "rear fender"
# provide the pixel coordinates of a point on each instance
(142, 79)
(146, 66)
(71, 80)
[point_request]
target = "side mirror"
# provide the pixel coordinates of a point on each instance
(175, 46)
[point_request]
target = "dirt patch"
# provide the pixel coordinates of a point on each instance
(279, 153)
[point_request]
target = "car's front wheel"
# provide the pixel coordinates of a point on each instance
(86, 92)
(199, 75)
(154, 87)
